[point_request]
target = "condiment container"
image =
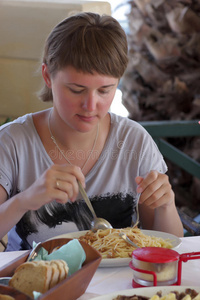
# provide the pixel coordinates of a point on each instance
(154, 266)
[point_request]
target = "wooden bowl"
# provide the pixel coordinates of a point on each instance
(72, 287)
(17, 295)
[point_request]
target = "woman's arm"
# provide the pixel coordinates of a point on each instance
(58, 183)
(157, 204)
(10, 212)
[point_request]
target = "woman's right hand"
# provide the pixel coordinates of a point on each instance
(59, 183)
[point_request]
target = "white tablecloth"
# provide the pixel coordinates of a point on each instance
(108, 280)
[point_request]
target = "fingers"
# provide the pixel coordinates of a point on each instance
(138, 179)
(68, 172)
(155, 189)
(63, 179)
(57, 183)
(149, 182)
(65, 187)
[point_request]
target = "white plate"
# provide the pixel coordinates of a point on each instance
(147, 291)
(122, 262)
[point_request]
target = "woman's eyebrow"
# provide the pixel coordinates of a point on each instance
(76, 84)
(109, 85)
(83, 86)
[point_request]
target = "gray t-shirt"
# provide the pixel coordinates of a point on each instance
(128, 152)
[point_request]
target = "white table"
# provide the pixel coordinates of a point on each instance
(108, 280)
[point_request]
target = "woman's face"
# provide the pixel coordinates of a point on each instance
(82, 99)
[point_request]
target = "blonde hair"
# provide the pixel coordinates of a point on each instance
(89, 43)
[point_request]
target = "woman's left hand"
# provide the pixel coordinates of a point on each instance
(155, 190)
(157, 201)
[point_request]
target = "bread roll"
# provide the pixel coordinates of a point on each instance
(38, 276)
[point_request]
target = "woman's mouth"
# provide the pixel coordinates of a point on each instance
(86, 118)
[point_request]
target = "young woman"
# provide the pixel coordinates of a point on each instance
(44, 154)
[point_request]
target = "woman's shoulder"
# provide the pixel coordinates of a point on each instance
(21, 126)
(126, 124)
(129, 132)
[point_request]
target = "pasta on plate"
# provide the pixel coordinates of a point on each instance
(111, 245)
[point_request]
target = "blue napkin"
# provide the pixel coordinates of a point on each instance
(72, 253)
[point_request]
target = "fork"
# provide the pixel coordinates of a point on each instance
(137, 213)
(34, 252)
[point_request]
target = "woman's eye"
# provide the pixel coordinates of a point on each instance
(103, 91)
(76, 91)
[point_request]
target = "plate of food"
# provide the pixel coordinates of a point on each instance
(115, 251)
(192, 292)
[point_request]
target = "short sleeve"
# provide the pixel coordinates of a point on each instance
(151, 158)
(8, 165)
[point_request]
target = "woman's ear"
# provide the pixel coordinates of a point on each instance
(46, 75)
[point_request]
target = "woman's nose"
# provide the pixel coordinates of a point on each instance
(89, 102)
